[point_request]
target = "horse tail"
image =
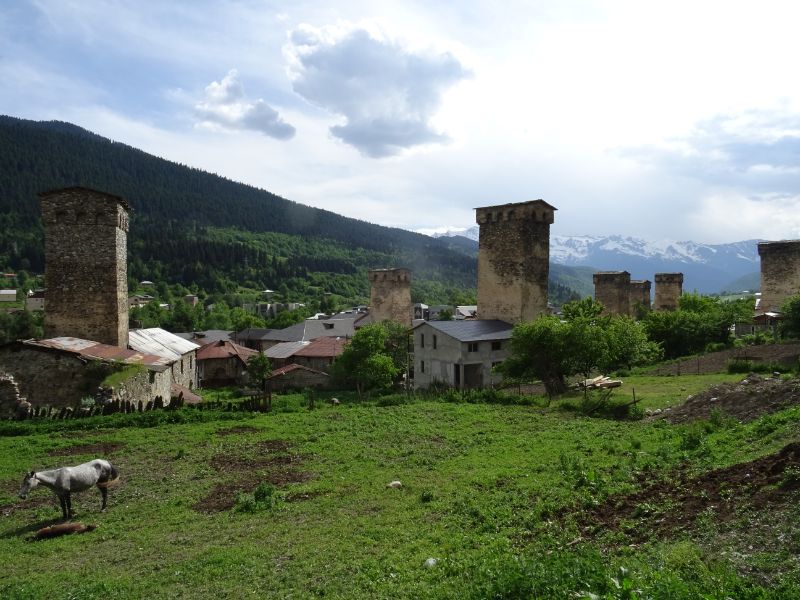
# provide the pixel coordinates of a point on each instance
(111, 479)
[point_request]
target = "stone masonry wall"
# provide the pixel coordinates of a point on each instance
(86, 265)
(613, 290)
(780, 272)
(514, 260)
(390, 295)
(669, 287)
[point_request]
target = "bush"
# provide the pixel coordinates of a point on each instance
(738, 365)
(262, 498)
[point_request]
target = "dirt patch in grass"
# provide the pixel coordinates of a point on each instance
(238, 429)
(29, 504)
(271, 463)
(682, 504)
(301, 496)
(96, 448)
(745, 401)
(717, 362)
(274, 446)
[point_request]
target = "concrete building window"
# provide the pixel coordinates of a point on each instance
(496, 345)
(422, 340)
(472, 347)
(434, 342)
(422, 366)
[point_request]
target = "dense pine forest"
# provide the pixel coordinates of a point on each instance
(211, 234)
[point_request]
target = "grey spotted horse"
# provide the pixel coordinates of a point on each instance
(66, 480)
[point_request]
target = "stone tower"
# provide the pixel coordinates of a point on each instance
(780, 272)
(613, 290)
(86, 268)
(669, 287)
(640, 294)
(514, 260)
(390, 295)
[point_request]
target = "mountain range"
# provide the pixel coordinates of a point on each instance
(707, 268)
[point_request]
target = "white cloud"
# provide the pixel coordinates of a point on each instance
(386, 93)
(226, 107)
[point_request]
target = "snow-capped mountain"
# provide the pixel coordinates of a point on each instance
(707, 268)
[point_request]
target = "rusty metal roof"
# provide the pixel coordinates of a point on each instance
(324, 347)
(224, 349)
(160, 342)
(95, 350)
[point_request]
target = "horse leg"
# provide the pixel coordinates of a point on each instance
(104, 493)
(63, 501)
(69, 504)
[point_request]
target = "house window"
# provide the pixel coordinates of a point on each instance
(422, 366)
(472, 347)
(434, 342)
(422, 340)
(496, 345)
(181, 366)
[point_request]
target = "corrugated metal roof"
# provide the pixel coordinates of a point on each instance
(160, 342)
(90, 349)
(284, 349)
(476, 330)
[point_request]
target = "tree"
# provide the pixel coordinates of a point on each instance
(259, 370)
(698, 322)
(539, 351)
(366, 361)
(550, 349)
(790, 311)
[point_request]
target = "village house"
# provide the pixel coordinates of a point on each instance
(459, 354)
(297, 377)
(282, 354)
(180, 354)
(8, 295)
(320, 353)
(222, 363)
(61, 371)
(35, 300)
(342, 325)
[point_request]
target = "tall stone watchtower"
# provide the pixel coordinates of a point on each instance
(390, 295)
(669, 287)
(613, 290)
(640, 294)
(514, 260)
(86, 268)
(780, 272)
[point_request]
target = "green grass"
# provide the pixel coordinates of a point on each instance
(486, 488)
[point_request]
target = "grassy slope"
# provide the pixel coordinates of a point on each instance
(484, 487)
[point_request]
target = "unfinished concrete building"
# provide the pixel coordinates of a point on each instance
(514, 260)
(613, 290)
(780, 273)
(640, 295)
(669, 287)
(390, 295)
(86, 269)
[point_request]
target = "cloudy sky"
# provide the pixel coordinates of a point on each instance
(676, 120)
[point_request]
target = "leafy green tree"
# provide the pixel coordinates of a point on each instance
(550, 349)
(539, 350)
(698, 322)
(365, 361)
(790, 311)
(259, 370)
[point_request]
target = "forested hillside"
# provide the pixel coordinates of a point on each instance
(207, 232)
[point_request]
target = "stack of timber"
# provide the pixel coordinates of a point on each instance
(599, 382)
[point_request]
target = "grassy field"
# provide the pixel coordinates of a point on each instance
(294, 504)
